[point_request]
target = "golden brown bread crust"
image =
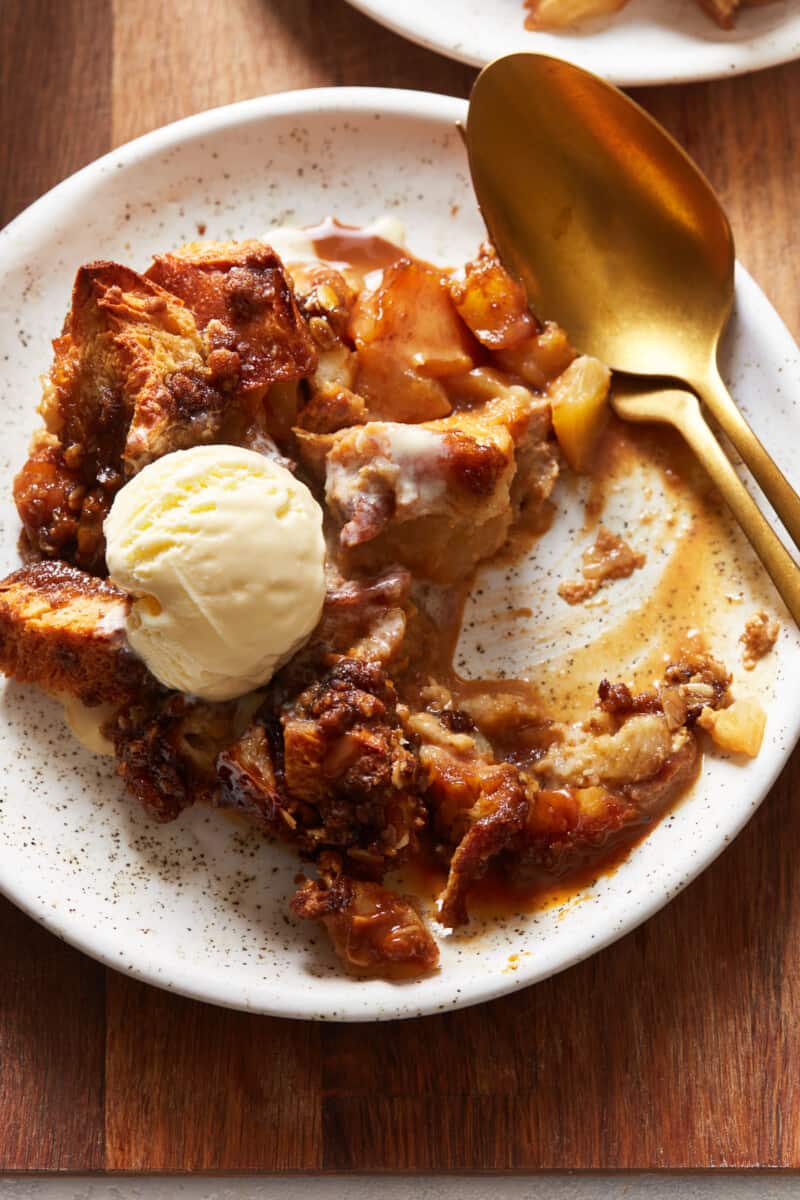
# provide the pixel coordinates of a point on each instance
(250, 775)
(241, 297)
(330, 409)
(137, 374)
(131, 380)
(62, 629)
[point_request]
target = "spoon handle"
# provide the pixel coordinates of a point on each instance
(769, 477)
(682, 410)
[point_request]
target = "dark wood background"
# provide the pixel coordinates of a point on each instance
(677, 1047)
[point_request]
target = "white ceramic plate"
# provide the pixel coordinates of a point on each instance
(650, 41)
(200, 906)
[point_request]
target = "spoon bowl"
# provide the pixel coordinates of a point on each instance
(611, 227)
(614, 232)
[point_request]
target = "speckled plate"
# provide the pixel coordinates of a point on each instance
(650, 41)
(200, 906)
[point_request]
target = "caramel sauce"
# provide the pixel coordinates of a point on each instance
(497, 895)
(695, 595)
(351, 246)
(694, 603)
(703, 571)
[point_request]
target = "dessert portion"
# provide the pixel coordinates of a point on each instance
(561, 14)
(250, 522)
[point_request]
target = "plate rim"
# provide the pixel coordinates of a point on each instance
(207, 984)
(658, 78)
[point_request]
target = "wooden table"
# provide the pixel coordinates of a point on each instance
(677, 1047)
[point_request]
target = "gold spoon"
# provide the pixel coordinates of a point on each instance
(636, 400)
(613, 231)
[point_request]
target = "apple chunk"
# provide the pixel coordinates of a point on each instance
(558, 14)
(579, 398)
(408, 336)
(492, 304)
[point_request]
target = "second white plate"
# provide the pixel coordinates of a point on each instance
(649, 42)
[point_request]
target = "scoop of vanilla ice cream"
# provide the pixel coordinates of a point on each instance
(222, 550)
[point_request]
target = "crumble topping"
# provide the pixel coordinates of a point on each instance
(759, 636)
(608, 558)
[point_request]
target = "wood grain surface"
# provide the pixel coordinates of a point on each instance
(678, 1046)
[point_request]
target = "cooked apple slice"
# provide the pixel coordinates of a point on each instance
(408, 336)
(556, 14)
(492, 304)
(579, 397)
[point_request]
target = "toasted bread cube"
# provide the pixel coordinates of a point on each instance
(64, 630)
(242, 299)
(130, 381)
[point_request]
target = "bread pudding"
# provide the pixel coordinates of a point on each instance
(431, 414)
